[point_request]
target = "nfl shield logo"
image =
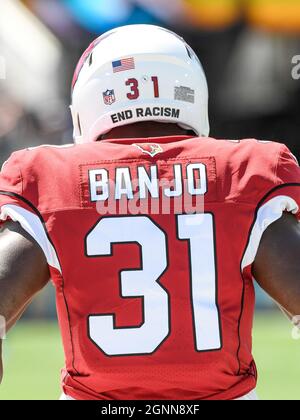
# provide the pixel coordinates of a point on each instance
(109, 97)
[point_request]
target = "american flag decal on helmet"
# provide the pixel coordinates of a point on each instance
(123, 65)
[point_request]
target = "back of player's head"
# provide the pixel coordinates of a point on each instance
(138, 73)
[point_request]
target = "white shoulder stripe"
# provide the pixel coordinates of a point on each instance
(31, 223)
(269, 213)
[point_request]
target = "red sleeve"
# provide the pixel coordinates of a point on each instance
(287, 181)
(283, 195)
(18, 189)
(11, 181)
(10, 175)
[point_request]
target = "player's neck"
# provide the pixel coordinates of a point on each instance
(144, 130)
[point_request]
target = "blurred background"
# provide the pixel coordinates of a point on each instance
(249, 49)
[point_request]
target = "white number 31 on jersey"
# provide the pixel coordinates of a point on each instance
(199, 231)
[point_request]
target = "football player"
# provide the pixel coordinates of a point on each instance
(151, 232)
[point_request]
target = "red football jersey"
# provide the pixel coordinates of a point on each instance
(150, 244)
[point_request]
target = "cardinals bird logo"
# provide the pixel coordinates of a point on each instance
(151, 149)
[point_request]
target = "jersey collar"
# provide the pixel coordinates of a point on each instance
(160, 140)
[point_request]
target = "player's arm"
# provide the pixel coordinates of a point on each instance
(23, 272)
(277, 264)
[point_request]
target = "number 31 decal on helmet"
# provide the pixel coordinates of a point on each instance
(136, 70)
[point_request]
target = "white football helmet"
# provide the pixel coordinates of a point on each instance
(138, 73)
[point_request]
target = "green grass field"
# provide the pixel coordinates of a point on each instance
(33, 358)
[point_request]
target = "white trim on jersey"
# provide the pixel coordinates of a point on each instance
(269, 213)
(31, 223)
